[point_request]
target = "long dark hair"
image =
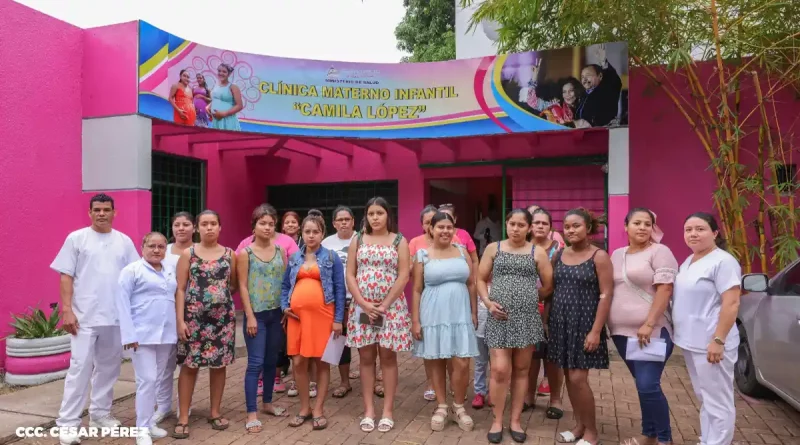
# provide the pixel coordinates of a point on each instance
(592, 223)
(175, 217)
(384, 204)
(712, 223)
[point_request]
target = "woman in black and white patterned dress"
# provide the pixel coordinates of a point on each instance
(515, 326)
(584, 281)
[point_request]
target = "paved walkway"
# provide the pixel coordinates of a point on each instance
(759, 421)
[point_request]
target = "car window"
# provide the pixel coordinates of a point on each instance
(791, 281)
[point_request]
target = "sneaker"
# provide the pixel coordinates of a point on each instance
(157, 433)
(69, 439)
(144, 439)
(260, 387)
(159, 417)
(544, 388)
(278, 386)
(105, 422)
(478, 401)
(292, 392)
(312, 390)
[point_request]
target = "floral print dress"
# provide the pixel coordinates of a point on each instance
(376, 274)
(209, 314)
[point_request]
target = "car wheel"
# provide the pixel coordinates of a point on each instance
(745, 370)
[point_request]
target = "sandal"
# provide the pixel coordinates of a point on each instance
(184, 434)
(439, 418)
(216, 423)
(341, 391)
(554, 413)
(354, 375)
(300, 420)
(320, 423)
(567, 437)
(277, 411)
(379, 391)
(429, 395)
(461, 417)
(253, 427)
(367, 425)
(312, 389)
(385, 425)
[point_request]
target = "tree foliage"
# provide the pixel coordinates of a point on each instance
(754, 47)
(427, 31)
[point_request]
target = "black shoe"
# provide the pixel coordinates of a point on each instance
(518, 436)
(495, 437)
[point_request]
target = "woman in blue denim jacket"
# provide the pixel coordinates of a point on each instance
(312, 299)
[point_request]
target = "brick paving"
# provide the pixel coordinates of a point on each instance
(618, 416)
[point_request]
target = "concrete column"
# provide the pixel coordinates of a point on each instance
(618, 186)
(117, 161)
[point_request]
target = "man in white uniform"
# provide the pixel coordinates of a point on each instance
(343, 221)
(90, 262)
(487, 230)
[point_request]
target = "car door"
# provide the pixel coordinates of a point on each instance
(777, 341)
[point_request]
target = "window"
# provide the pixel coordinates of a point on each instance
(179, 184)
(787, 178)
(790, 284)
(326, 197)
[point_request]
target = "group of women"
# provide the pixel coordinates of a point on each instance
(532, 297)
(203, 107)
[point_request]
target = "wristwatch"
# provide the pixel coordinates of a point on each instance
(719, 341)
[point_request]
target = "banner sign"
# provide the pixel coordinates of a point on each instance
(192, 84)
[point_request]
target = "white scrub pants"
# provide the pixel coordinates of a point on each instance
(166, 382)
(96, 356)
(151, 363)
(713, 385)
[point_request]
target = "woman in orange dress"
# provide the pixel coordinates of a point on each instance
(180, 96)
(312, 299)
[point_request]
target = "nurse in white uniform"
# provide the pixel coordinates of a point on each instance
(182, 231)
(90, 262)
(146, 306)
(706, 301)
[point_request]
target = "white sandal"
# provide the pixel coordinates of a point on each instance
(567, 437)
(461, 417)
(439, 418)
(367, 425)
(385, 425)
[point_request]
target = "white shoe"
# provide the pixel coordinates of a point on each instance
(157, 433)
(69, 439)
(144, 439)
(105, 422)
(159, 417)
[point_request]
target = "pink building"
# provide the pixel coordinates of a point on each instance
(91, 138)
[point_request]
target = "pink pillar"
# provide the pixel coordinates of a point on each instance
(618, 206)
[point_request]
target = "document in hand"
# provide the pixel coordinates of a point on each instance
(655, 351)
(333, 350)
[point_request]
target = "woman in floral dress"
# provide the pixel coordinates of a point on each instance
(206, 319)
(378, 265)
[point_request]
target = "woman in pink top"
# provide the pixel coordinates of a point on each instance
(644, 274)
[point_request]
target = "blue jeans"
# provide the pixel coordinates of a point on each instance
(262, 356)
(481, 364)
(653, 403)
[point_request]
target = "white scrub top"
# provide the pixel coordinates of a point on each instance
(697, 300)
(146, 304)
(94, 260)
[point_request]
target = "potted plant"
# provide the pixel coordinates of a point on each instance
(39, 350)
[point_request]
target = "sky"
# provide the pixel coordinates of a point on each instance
(339, 30)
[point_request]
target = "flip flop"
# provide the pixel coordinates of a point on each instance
(216, 423)
(341, 391)
(253, 427)
(554, 413)
(527, 407)
(184, 434)
(379, 392)
(354, 375)
(300, 420)
(567, 437)
(429, 395)
(367, 424)
(385, 425)
(320, 423)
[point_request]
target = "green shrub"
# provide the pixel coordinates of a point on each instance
(35, 324)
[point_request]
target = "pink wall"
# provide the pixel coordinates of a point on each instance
(41, 182)
(669, 169)
(110, 82)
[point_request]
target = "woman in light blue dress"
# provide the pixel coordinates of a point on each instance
(226, 101)
(444, 317)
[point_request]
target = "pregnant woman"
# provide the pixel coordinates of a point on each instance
(226, 101)
(180, 96)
